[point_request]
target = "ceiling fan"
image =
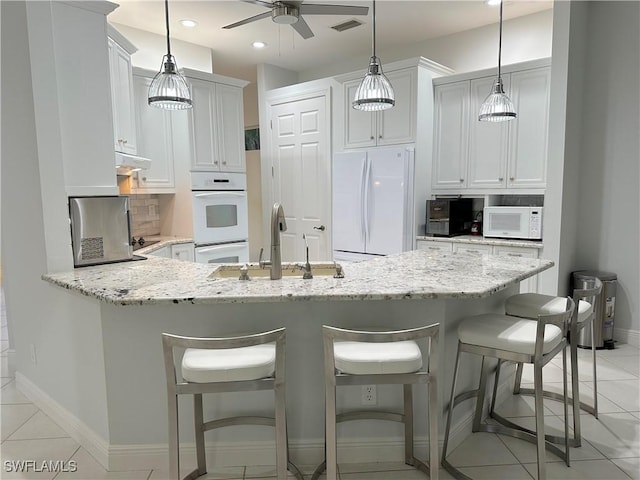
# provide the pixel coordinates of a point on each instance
(290, 13)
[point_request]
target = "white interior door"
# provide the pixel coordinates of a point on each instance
(302, 176)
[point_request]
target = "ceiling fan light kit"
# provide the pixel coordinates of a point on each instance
(375, 91)
(169, 89)
(497, 107)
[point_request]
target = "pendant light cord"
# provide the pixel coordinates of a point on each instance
(499, 40)
(374, 29)
(166, 17)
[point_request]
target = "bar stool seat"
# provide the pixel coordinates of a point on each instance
(362, 358)
(226, 364)
(530, 305)
(231, 365)
(354, 357)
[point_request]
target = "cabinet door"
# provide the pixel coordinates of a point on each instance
(124, 127)
(433, 246)
(230, 128)
(478, 249)
(528, 285)
(529, 131)
(183, 252)
(487, 140)
(203, 126)
(164, 252)
(360, 127)
(154, 141)
(397, 125)
(451, 135)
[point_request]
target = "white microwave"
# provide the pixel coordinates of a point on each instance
(513, 222)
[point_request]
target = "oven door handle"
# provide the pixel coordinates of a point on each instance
(221, 194)
(218, 248)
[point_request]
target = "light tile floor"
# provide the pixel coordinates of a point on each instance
(611, 445)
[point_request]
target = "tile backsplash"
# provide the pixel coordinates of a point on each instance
(145, 215)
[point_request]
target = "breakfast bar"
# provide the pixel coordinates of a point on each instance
(123, 308)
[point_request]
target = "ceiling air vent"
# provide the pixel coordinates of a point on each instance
(341, 27)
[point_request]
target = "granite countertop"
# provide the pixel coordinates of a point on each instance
(418, 274)
(503, 242)
(163, 241)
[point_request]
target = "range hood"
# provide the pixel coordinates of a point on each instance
(127, 163)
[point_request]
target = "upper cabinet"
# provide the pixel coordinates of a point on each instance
(216, 122)
(393, 126)
(124, 127)
(480, 157)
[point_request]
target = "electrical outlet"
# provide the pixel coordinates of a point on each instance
(369, 396)
(32, 349)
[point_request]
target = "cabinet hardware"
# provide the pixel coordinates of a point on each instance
(461, 180)
(514, 254)
(371, 137)
(501, 179)
(322, 228)
(224, 162)
(379, 136)
(512, 178)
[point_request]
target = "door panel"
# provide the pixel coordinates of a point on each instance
(302, 176)
(347, 191)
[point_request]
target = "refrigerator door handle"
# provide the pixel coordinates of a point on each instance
(363, 190)
(367, 199)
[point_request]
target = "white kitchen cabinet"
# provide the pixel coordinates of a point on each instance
(183, 251)
(491, 157)
(435, 247)
(529, 285)
(475, 248)
(216, 124)
(393, 126)
(155, 140)
(124, 124)
(164, 252)
(451, 136)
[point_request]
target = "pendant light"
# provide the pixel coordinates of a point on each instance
(374, 92)
(169, 89)
(497, 107)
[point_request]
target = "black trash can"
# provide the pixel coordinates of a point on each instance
(605, 308)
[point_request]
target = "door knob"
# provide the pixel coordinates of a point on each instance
(322, 228)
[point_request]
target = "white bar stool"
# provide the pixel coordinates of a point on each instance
(234, 364)
(517, 340)
(362, 358)
(530, 305)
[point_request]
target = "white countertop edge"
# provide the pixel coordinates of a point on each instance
(503, 242)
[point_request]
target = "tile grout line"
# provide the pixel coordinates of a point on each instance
(21, 425)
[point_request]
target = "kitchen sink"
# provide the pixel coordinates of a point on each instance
(288, 270)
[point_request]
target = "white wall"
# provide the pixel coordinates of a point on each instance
(609, 171)
(524, 38)
(151, 48)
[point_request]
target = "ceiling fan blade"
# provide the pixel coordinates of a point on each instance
(302, 28)
(249, 20)
(260, 2)
(317, 9)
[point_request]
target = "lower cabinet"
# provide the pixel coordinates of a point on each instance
(183, 251)
(529, 285)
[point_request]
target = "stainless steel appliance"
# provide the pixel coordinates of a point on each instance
(100, 230)
(220, 217)
(605, 308)
(447, 217)
(513, 222)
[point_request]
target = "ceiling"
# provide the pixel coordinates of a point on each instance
(397, 22)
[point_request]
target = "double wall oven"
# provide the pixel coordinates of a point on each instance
(220, 218)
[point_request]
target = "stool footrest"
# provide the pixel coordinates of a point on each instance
(416, 463)
(369, 415)
(193, 475)
(556, 396)
(240, 420)
(507, 427)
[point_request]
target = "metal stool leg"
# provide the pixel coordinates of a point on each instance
(482, 387)
(595, 377)
(434, 464)
(518, 381)
(540, 439)
(330, 435)
(408, 424)
(281, 432)
(566, 407)
(174, 452)
(575, 388)
(447, 429)
(198, 420)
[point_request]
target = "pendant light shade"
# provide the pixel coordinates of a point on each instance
(375, 91)
(169, 89)
(497, 107)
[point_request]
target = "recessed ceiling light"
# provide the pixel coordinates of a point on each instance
(188, 23)
(258, 44)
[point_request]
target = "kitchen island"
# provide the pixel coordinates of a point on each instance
(125, 307)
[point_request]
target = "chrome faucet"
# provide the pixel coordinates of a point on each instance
(278, 224)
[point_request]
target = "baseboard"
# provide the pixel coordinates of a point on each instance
(306, 452)
(76, 428)
(623, 335)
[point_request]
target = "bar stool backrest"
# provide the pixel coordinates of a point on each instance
(562, 320)
(590, 294)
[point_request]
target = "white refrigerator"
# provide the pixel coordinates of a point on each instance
(372, 203)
